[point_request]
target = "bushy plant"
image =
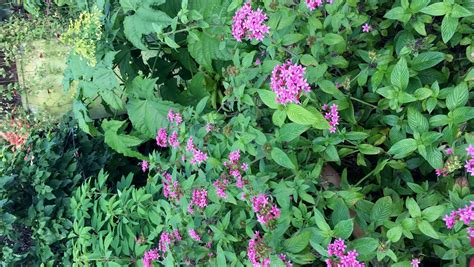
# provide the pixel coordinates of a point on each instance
(313, 121)
(37, 181)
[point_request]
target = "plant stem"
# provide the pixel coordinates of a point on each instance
(363, 102)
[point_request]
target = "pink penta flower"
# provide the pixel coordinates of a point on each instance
(173, 140)
(449, 151)
(150, 256)
(313, 4)
(265, 210)
(144, 165)
(366, 28)
(415, 262)
(470, 162)
(332, 115)
(190, 145)
(339, 256)
(288, 83)
(258, 251)
(198, 157)
(221, 185)
(199, 198)
(249, 24)
(194, 235)
(162, 137)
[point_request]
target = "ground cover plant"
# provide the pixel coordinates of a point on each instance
(275, 133)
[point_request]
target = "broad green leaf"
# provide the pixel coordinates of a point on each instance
(220, 257)
(300, 115)
(298, 242)
(289, 39)
(434, 157)
(278, 117)
(329, 88)
(458, 11)
(458, 96)
(437, 9)
(448, 27)
(381, 210)
(417, 121)
(290, 131)
(141, 23)
(403, 148)
(439, 120)
(397, 13)
(207, 49)
(395, 233)
(426, 228)
(367, 149)
(321, 221)
(282, 159)
(413, 208)
(148, 116)
(400, 74)
(268, 98)
(431, 214)
(426, 60)
(344, 229)
(366, 247)
(120, 142)
(81, 114)
(333, 39)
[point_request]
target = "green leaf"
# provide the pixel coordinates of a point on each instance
(413, 208)
(439, 120)
(278, 117)
(120, 142)
(289, 39)
(141, 23)
(300, 115)
(403, 148)
(329, 88)
(207, 49)
(333, 39)
(381, 210)
(220, 257)
(148, 116)
(395, 233)
(321, 221)
(290, 131)
(298, 242)
(366, 247)
(397, 13)
(81, 114)
(426, 228)
(437, 9)
(417, 121)
(282, 159)
(344, 229)
(268, 98)
(308, 60)
(459, 11)
(434, 157)
(426, 60)
(458, 96)
(448, 27)
(367, 149)
(400, 74)
(431, 214)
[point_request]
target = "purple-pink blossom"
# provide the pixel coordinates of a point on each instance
(190, 145)
(265, 210)
(366, 27)
(150, 256)
(332, 115)
(174, 117)
(198, 157)
(249, 24)
(464, 215)
(258, 251)
(144, 165)
(199, 198)
(288, 83)
(171, 189)
(209, 127)
(173, 140)
(194, 235)
(162, 137)
(313, 4)
(285, 260)
(341, 258)
(470, 161)
(449, 151)
(221, 185)
(415, 262)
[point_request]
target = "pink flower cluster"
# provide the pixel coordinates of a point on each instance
(194, 235)
(235, 168)
(144, 165)
(313, 4)
(162, 134)
(174, 117)
(221, 185)
(466, 215)
(198, 156)
(199, 199)
(470, 162)
(415, 262)
(171, 189)
(257, 251)
(288, 82)
(366, 28)
(150, 256)
(332, 115)
(249, 24)
(337, 250)
(285, 261)
(166, 239)
(265, 210)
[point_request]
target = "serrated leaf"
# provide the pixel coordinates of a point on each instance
(344, 229)
(403, 148)
(413, 208)
(394, 234)
(120, 142)
(426, 228)
(290, 131)
(148, 116)
(448, 27)
(417, 121)
(298, 242)
(207, 49)
(268, 98)
(300, 115)
(458, 96)
(281, 158)
(426, 60)
(400, 74)
(381, 210)
(437, 9)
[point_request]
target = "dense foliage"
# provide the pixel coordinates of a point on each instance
(276, 132)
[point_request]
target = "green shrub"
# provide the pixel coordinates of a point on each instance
(399, 74)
